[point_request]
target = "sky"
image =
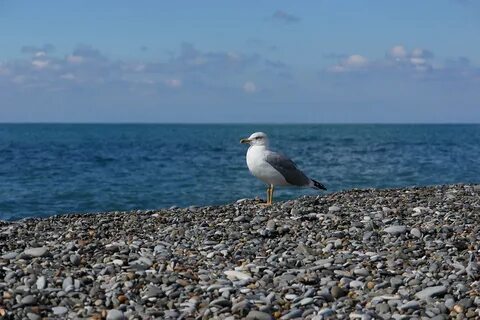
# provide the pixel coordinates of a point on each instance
(323, 61)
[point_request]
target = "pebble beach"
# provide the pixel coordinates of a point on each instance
(410, 253)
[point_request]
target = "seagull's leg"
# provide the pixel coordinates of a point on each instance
(268, 194)
(271, 194)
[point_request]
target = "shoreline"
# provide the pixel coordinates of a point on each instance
(359, 254)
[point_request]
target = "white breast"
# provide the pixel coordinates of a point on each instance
(261, 169)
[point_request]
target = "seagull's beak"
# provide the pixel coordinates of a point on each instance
(245, 140)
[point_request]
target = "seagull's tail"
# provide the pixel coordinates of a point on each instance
(317, 185)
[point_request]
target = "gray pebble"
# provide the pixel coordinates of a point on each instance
(59, 310)
(41, 283)
(294, 313)
(36, 252)
(28, 300)
(259, 315)
(115, 315)
(431, 292)
(395, 230)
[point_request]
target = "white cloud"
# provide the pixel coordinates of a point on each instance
(417, 61)
(398, 52)
(249, 87)
(356, 61)
(40, 64)
(74, 59)
(351, 63)
(173, 83)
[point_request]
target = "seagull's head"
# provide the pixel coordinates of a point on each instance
(256, 139)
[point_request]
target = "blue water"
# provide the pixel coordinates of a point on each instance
(48, 169)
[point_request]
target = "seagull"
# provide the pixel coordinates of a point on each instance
(273, 168)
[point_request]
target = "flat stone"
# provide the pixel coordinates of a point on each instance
(221, 302)
(416, 233)
(28, 300)
(33, 316)
(59, 310)
(36, 252)
(338, 292)
(41, 283)
(306, 301)
(259, 315)
(241, 307)
(356, 284)
(410, 305)
(395, 230)
(431, 292)
(334, 209)
(75, 259)
(382, 308)
(237, 275)
(10, 255)
(294, 313)
(67, 284)
(115, 315)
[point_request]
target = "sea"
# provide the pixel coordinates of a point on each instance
(48, 169)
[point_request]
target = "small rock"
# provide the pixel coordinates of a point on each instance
(75, 259)
(59, 310)
(41, 283)
(241, 307)
(294, 313)
(414, 305)
(395, 230)
(33, 316)
(431, 292)
(115, 315)
(36, 252)
(306, 301)
(382, 308)
(236, 275)
(10, 255)
(334, 209)
(259, 315)
(338, 292)
(28, 300)
(416, 233)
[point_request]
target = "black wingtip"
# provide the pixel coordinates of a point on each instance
(318, 185)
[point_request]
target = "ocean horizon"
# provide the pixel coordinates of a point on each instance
(57, 168)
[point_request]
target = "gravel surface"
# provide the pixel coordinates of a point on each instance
(359, 254)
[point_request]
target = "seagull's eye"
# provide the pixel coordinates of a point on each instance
(258, 138)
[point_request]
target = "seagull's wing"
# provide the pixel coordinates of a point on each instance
(287, 168)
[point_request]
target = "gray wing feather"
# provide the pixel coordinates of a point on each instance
(287, 168)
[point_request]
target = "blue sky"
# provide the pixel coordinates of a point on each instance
(244, 61)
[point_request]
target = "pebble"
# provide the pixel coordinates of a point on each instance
(338, 292)
(259, 315)
(410, 305)
(431, 292)
(416, 233)
(75, 259)
(115, 315)
(334, 209)
(237, 275)
(295, 313)
(28, 300)
(41, 282)
(58, 311)
(395, 230)
(36, 252)
(33, 316)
